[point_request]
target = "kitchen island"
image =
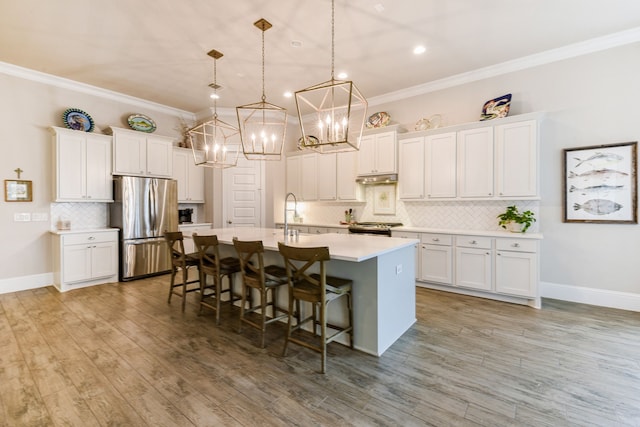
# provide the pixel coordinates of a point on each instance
(382, 270)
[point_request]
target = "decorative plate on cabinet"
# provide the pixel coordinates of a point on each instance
(76, 119)
(378, 120)
(431, 123)
(311, 140)
(496, 108)
(141, 123)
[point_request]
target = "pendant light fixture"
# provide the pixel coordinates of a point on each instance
(262, 125)
(212, 141)
(332, 114)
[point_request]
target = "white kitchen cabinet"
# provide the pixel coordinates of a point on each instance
(141, 154)
(85, 258)
(82, 166)
(516, 159)
(475, 162)
(189, 176)
(440, 166)
(411, 164)
(377, 154)
(436, 258)
(347, 189)
(474, 262)
(326, 176)
(309, 177)
(517, 267)
(293, 181)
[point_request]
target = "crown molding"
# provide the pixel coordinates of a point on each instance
(49, 79)
(554, 55)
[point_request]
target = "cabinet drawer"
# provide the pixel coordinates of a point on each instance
(78, 239)
(516, 245)
(405, 235)
(437, 239)
(474, 242)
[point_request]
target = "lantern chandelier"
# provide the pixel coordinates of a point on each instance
(262, 125)
(332, 114)
(211, 141)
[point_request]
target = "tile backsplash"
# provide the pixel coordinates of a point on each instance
(81, 215)
(458, 215)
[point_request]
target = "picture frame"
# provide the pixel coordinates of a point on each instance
(17, 190)
(600, 184)
(384, 200)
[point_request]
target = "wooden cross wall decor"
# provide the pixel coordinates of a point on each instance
(18, 172)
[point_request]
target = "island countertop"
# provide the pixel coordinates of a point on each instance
(346, 247)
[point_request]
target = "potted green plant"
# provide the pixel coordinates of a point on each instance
(516, 221)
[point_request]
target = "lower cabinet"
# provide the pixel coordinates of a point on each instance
(436, 258)
(473, 262)
(492, 267)
(85, 259)
(516, 267)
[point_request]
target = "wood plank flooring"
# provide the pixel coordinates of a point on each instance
(119, 355)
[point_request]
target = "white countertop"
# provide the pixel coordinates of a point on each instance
(487, 233)
(346, 247)
(82, 230)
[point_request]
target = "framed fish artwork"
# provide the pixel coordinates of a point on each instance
(600, 184)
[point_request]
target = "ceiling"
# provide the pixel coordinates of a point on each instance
(157, 49)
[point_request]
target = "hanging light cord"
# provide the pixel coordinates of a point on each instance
(215, 90)
(264, 97)
(333, 12)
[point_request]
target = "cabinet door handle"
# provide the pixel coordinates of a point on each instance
(516, 245)
(91, 238)
(488, 253)
(473, 242)
(435, 239)
(499, 254)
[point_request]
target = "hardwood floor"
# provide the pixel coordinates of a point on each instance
(117, 354)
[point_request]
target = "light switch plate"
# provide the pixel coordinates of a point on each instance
(22, 217)
(40, 216)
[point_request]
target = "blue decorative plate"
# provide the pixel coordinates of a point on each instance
(77, 120)
(142, 123)
(496, 108)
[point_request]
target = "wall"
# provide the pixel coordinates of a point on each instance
(28, 109)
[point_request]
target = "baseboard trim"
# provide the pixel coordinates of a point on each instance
(23, 283)
(591, 296)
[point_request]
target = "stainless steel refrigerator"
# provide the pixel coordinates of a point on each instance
(143, 209)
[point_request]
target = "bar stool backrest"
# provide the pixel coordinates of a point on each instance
(175, 242)
(298, 262)
(209, 252)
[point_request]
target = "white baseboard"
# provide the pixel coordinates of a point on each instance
(15, 284)
(600, 297)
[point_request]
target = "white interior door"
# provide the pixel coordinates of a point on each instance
(242, 188)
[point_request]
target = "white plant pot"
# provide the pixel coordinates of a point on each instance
(515, 227)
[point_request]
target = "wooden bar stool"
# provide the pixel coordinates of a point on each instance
(180, 261)
(211, 264)
(264, 279)
(317, 289)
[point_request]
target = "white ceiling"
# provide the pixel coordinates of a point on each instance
(157, 49)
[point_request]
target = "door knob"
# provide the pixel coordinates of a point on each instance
(228, 221)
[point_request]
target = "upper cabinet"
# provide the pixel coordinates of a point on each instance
(377, 154)
(347, 189)
(326, 176)
(190, 177)
(517, 159)
(475, 162)
(485, 160)
(82, 166)
(141, 154)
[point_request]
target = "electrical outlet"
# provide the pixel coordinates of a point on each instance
(398, 268)
(22, 217)
(39, 216)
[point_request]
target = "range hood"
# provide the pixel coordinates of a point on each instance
(390, 178)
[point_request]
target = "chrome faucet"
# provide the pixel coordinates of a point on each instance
(295, 210)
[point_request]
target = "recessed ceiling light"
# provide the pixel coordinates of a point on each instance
(343, 75)
(419, 50)
(296, 43)
(378, 7)
(288, 94)
(214, 96)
